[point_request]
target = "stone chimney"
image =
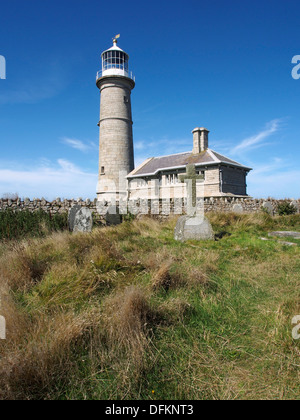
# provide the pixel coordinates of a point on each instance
(200, 139)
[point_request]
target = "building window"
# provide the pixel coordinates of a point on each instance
(141, 183)
(201, 173)
(172, 179)
(102, 170)
(126, 99)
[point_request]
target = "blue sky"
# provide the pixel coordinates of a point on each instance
(225, 65)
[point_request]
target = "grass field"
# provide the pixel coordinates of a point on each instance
(128, 313)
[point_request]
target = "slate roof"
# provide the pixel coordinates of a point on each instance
(208, 157)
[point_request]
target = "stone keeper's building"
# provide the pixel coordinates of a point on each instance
(161, 175)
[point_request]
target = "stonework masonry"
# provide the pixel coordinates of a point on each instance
(116, 141)
(200, 140)
(52, 207)
(218, 204)
(234, 181)
(160, 207)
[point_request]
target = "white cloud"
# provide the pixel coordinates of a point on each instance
(277, 164)
(69, 167)
(79, 145)
(276, 178)
(140, 145)
(277, 184)
(258, 139)
(63, 179)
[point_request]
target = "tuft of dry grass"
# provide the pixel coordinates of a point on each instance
(39, 356)
(128, 316)
(163, 279)
(127, 330)
(21, 268)
(147, 226)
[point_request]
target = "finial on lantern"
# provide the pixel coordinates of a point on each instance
(115, 39)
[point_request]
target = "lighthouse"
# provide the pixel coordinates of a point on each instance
(116, 156)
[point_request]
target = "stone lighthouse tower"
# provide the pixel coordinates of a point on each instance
(116, 158)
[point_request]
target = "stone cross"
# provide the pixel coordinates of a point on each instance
(191, 178)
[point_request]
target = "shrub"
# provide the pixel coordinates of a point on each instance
(18, 224)
(286, 208)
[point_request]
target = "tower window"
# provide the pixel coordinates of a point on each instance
(126, 100)
(102, 170)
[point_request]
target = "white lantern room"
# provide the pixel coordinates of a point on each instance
(115, 62)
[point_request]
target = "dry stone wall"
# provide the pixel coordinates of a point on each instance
(218, 204)
(245, 205)
(223, 204)
(53, 207)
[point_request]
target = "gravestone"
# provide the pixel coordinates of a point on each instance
(193, 226)
(83, 220)
(269, 207)
(238, 208)
(285, 234)
(287, 243)
(71, 217)
(112, 216)
(80, 219)
(295, 204)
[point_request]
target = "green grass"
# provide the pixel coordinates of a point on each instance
(127, 310)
